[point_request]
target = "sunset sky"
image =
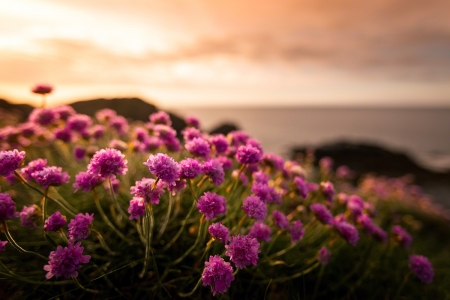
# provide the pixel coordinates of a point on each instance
(215, 52)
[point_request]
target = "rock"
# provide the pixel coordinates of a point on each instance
(224, 129)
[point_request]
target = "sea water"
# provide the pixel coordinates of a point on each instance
(424, 134)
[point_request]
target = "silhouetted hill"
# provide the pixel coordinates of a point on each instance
(369, 158)
(20, 110)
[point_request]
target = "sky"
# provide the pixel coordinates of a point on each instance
(178, 53)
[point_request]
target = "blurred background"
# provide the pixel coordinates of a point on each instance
(293, 72)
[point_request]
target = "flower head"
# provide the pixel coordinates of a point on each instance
(219, 232)
(192, 121)
(160, 117)
(218, 274)
(108, 163)
(86, 181)
(347, 231)
(323, 255)
(10, 161)
(30, 216)
(50, 176)
(211, 205)
(355, 205)
(198, 147)
(401, 236)
(327, 189)
(7, 207)
(78, 122)
(296, 230)
(243, 250)
(248, 154)
(280, 219)
(43, 116)
(64, 262)
(220, 143)
(42, 89)
(147, 189)
(190, 168)
(322, 213)
(55, 222)
(164, 167)
(260, 231)
(254, 208)
(214, 170)
(136, 208)
(80, 226)
(302, 186)
(2, 245)
(422, 267)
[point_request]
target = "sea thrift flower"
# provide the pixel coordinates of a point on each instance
(164, 167)
(322, 213)
(160, 117)
(50, 176)
(43, 116)
(355, 205)
(191, 133)
(302, 186)
(218, 274)
(243, 250)
(2, 245)
(323, 255)
(108, 163)
(64, 262)
(296, 230)
(147, 190)
(118, 145)
(10, 161)
(274, 161)
(371, 228)
(238, 137)
(347, 231)
(78, 122)
(79, 153)
(192, 121)
(254, 208)
(211, 205)
(422, 267)
(401, 236)
(242, 177)
(219, 232)
(190, 168)
(105, 114)
(260, 231)
(97, 131)
(119, 123)
(266, 193)
(248, 154)
(198, 147)
(63, 134)
(136, 208)
(343, 172)
(280, 219)
(80, 226)
(86, 181)
(42, 89)
(327, 189)
(260, 177)
(7, 207)
(30, 216)
(225, 161)
(64, 111)
(326, 163)
(214, 170)
(33, 166)
(55, 222)
(220, 143)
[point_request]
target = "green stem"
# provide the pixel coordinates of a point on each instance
(316, 287)
(166, 220)
(15, 245)
(200, 230)
(149, 222)
(168, 245)
(401, 286)
(116, 203)
(66, 206)
(103, 243)
(184, 295)
(83, 288)
(296, 275)
(107, 221)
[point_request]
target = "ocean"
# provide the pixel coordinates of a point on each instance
(424, 134)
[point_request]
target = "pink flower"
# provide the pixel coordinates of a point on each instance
(243, 250)
(422, 267)
(218, 274)
(42, 89)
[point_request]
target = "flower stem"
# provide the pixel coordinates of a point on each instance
(200, 230)
(149, 222)
(116, 203)
(184, 295)
(83, 288)
(166, 220)
(15, 245)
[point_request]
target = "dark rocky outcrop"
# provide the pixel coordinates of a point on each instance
(21, 111)
(224, 129)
